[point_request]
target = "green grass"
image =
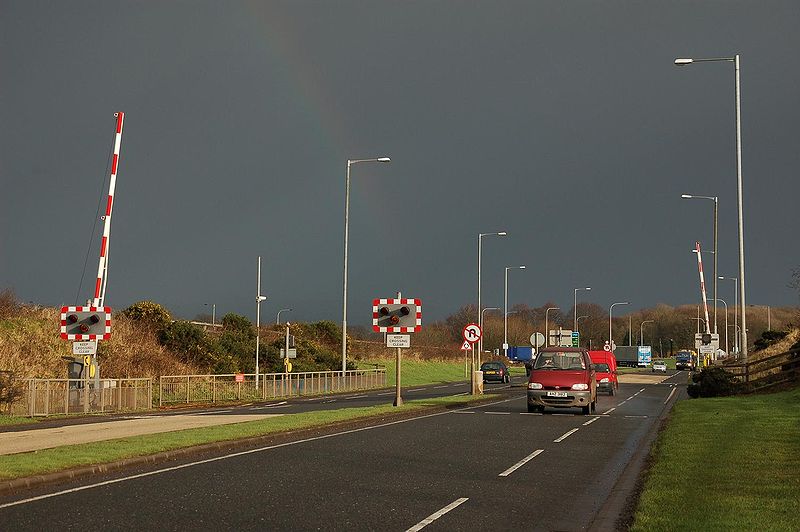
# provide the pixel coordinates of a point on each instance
(729, 463)
(15, 420)
(68, 456)
(669, 361)
(419, 372)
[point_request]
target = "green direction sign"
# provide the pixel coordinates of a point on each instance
(576, 339)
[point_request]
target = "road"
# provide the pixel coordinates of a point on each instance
(489, 467)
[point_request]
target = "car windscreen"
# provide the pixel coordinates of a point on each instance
(490, 365)
(560, 361)
(601, 367)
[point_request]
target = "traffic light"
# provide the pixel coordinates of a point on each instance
(396, 315)
(85, 323)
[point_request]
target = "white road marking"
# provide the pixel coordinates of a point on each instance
(610, 410)
(631, 397)
(436, 515)
(227, 456)
(531, 413)
(521, 463)
(387, 393)
(356, 396)
(640, 391)
(465, 412)
(637, 416)
(670, 396)
(591, 421)
(438, 387)
(566, 435)
(417, 390)
(501, 413)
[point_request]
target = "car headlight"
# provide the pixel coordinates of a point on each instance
(534, 386)
(604, 379)
(580, 386)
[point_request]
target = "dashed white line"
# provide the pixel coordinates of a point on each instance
(521, 463)
(640, 391)
(670, 396)
(610, 410)
(438, 387)
(637, 416)
(531, 413)
(436, 515)
(356, 396)
(501, 413)
(565, 436)
(591, 421)
(417, 390)
(387, 393)
(465, 412)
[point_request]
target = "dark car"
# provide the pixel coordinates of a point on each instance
(562, 377)
(495, 371)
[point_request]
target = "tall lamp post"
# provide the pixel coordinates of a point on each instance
(641, 331)
(735, 311)
(213, 312)
(577, 322)
(727, 353)
(350, 162)
(611, 338)
(484, 312)
(575, 308)
(259, 299)
(715, 199)
(737, 86)
(480, 317)
(505, 307)
(278, 317)
(769, 316)
(546, 330)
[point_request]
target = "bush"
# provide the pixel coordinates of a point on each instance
(187, 340)
(769, 338)
(712, 382)
(11, 389)
(150, 313)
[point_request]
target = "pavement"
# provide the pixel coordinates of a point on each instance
(46, 438)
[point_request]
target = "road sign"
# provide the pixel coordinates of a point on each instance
(398, 340)
(607, 347)
(466, 346)
(239, 377)
(292, 353)
(84, 348)
(537, 339)
(472, 333)
(576, 339)
(645, 355)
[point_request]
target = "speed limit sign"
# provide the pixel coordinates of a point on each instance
(472, 333)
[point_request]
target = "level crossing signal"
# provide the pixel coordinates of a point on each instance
(85, 323)
(399, 315)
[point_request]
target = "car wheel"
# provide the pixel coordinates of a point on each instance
(586, 410)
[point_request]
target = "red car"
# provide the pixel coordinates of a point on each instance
(562, 377)
(605, 366)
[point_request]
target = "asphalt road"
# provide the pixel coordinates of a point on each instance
(492, 467)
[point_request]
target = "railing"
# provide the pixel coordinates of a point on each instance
(176, 389)
(45, 397)
(768, 371)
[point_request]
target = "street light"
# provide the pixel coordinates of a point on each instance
(505, 307)
(727, 353)
(611, 338)
(213, 311)
(715, 199)
(480, 318)
(641, 331)
(737, 85)
(769, 317)
(278, 318)
(483, 312)
(350, 162)
(546, 330)
(259, 299)
(577, 322)
(736, 344)
(575, 308)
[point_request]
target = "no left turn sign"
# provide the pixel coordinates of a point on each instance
(472, 333)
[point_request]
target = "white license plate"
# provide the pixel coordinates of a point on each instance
(556, 394)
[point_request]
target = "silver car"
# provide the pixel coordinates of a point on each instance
(659, 366)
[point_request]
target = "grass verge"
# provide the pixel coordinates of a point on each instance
(69, 456)
(419, 372)
(16, 420)
(730, 463)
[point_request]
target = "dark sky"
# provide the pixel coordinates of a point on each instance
(564, 123)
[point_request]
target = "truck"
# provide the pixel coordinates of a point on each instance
(524, 354)
(684, 360)
(627, 356)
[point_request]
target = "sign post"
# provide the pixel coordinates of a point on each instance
(398, 315)
(472, 334)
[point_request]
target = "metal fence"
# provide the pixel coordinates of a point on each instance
(174, 389)
(45, 397)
